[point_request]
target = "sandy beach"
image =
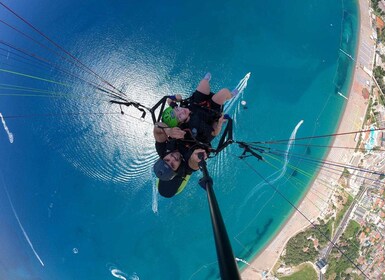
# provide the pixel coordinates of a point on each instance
(311, 205)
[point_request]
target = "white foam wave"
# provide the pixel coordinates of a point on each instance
(243, 83)
(242, 260)
(280, 172)
(117, 273)
(10, 134)
(240, 87)
(21, 226)
(154, 198)
(134, 277)
(288, 148)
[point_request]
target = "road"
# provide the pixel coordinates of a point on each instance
(343, 223)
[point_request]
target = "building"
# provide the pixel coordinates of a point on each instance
(322, 265)
(359, 214)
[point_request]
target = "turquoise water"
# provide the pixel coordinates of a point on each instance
(77, 187)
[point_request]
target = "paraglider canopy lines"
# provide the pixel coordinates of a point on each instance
(318, 136)
(115, 91)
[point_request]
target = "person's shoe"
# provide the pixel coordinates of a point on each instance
(234, 92)
(207, 77)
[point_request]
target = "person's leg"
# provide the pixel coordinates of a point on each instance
(204, 85)
(222, 96)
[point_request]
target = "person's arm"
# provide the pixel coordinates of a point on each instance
(217, 126)
(194, 159)
(175, 98)
(162, 132)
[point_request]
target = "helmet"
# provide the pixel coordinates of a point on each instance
(169, 118)
(163, 171)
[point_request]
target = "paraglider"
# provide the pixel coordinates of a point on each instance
(260, 150)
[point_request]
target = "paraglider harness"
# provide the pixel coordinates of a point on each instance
(227, 135)
(225, 139)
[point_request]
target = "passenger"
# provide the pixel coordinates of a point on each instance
(176, 161)
(201, 114)
(184, 135)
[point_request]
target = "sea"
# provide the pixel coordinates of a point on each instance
(78, 198)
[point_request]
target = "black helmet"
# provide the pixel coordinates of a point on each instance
(163, 171)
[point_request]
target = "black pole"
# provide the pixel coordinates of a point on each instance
(227, 265)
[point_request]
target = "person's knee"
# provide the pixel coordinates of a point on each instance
(204, 87)
(222, 96)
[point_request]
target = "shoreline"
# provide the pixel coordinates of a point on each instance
(350, 120)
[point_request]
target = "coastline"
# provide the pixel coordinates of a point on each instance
(351, 120)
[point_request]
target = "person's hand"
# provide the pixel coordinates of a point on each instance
(222, 119)
(196, 154)
(174, 98)
(194, 159)
(174, 132)
(218, 125)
